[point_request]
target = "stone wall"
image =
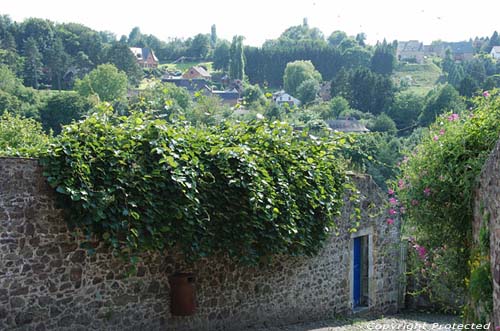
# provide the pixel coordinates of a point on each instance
(48, 283)
(487, 209)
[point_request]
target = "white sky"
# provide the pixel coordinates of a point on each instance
(258, 20)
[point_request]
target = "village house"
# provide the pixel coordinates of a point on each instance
(192, 85)
(410, 51)
(145, 57)
(230, 97)
(495, 52)
(197, 72)
(461, 51)
(281, 97)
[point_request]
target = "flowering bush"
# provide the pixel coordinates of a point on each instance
(437, 182)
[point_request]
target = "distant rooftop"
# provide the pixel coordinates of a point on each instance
(347, 125)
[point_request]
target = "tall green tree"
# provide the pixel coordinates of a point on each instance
(32, 64)
(58, 62)
(135, 38)
(236, 58)
(384, 59)
(213, 36)
(221, 55)
(122, 57)
(298, 72)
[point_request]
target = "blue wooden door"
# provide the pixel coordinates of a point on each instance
(357, 272)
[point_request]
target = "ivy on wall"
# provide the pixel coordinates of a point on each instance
(250, 190)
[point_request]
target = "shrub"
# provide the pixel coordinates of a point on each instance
(21, 136)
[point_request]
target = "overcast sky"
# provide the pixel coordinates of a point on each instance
(258, 20)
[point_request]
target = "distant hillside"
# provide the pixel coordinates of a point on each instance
(419, 78)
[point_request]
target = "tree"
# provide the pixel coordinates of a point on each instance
(383, 123)
(62, 109)
(32, 64)
(456, 75)
(8, 80)
(296, 73)
(355, 57)
(439, 101)
(237, 59)
(122, 57)
(338, 105)
(213, 36)
(494, 41)
(57, 62)
(468, 86)
(200, 45)
(384, 59)
(365, 90)
(405, 109)
(308, 91)
(360, 38)
(336, 38)
(221, 55)
(163, 98)
(135, 38)
(105, 81)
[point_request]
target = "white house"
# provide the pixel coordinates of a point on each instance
(282, 97)
(495, 52)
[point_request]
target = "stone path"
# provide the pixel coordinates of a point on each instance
(403, 322)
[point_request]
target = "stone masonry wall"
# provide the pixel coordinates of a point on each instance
(48, 283)
(487, 208)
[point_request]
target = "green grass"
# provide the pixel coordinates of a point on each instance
(420, 78)
(185, 66)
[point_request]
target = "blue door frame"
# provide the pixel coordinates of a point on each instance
(357, 272)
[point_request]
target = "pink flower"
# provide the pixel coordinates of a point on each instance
(436, 138)
(390, 221)
(442, 131)
(486, 94)
(402, 210)
(427, 191)
(414, 202)
(421, 251)
(390, 191)
(401, 184)
(392, 211)
(453, 117)
(393, 201)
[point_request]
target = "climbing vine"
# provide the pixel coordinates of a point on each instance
(250, 190)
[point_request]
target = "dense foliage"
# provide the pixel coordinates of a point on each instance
(249, 190)
(21, 136)
(436, 189)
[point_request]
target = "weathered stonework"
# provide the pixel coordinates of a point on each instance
(487, 209)
(48, 283)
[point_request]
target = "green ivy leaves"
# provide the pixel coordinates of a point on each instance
(250, 190)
